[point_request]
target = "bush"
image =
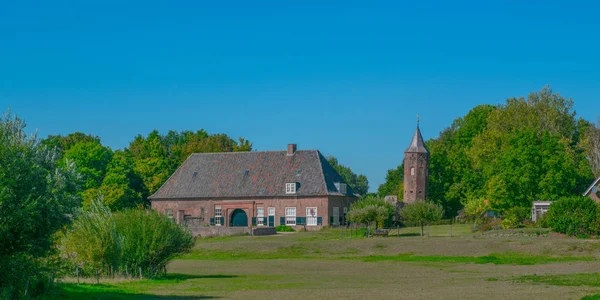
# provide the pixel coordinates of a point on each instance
(514, 217)
(575, 216)
(284, 228)
(130, 242)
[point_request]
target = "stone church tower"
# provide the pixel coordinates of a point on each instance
(416, 169)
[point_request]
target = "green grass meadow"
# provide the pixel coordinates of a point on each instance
(333, 264)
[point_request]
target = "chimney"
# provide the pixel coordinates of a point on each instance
(291, 149)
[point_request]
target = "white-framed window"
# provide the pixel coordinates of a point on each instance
(271, 211)
(311, 216)
(412, 171)
(290, 216)
(336, 216)
(218, 216)
(290, 188)
(260, 216)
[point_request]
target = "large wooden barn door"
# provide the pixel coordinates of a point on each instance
(239, 218)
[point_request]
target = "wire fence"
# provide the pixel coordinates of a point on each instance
(442, 228)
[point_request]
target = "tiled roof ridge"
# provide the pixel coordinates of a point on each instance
(246, 152)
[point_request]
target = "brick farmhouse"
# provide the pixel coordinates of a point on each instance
(298, 188)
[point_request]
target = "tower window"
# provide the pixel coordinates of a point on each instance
(420, 171)
(412, 171)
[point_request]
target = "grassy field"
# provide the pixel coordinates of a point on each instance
(500, 265)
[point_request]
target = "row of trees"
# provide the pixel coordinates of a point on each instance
(510, 154)
(125, 178)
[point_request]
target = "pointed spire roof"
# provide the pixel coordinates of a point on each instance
(417, 145)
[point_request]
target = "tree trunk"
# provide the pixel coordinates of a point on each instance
(421, 229)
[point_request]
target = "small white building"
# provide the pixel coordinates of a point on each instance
(539, 209)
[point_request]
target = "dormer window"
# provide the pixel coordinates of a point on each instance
(290, 187)
(341, 187)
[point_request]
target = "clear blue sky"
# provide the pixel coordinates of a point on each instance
(344, 77)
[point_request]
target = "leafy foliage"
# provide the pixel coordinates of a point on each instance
(130, 242)
(514, 216)
(36, 198)
(284, 228)
(511, 154)
(359, 183)
(370, 209)
(422, 213)
(574, 216)
(394, 183)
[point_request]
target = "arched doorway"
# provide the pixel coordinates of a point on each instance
(239, 218)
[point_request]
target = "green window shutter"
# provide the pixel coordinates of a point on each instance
(319, 220)
(221, 218)
(300, 220)
(253, 221)
(331, 220)
(212, 221)
(271, 221)
(282, 221)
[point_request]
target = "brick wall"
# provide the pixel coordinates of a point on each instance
(203, 209)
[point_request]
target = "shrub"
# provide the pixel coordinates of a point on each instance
(514, 217)
(130, 242)
(575, 216)
(284, 228)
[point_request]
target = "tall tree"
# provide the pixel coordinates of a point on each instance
(91, 160)
(394, 183)
(36, 199)
(359, 183)
(121, 187)
(64, 143)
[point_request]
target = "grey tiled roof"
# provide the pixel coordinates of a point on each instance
(251, 174)
(416, 144)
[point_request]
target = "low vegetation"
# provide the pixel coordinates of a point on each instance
(131, 243)
(575, 216)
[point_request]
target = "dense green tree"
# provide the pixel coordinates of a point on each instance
(394, 183)
(64, 143)
(36, 198)
(530, 150)
(359, 183)
(91, 160)
(422, 213)
(121, 187)
(370, 209)
(151, 161)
